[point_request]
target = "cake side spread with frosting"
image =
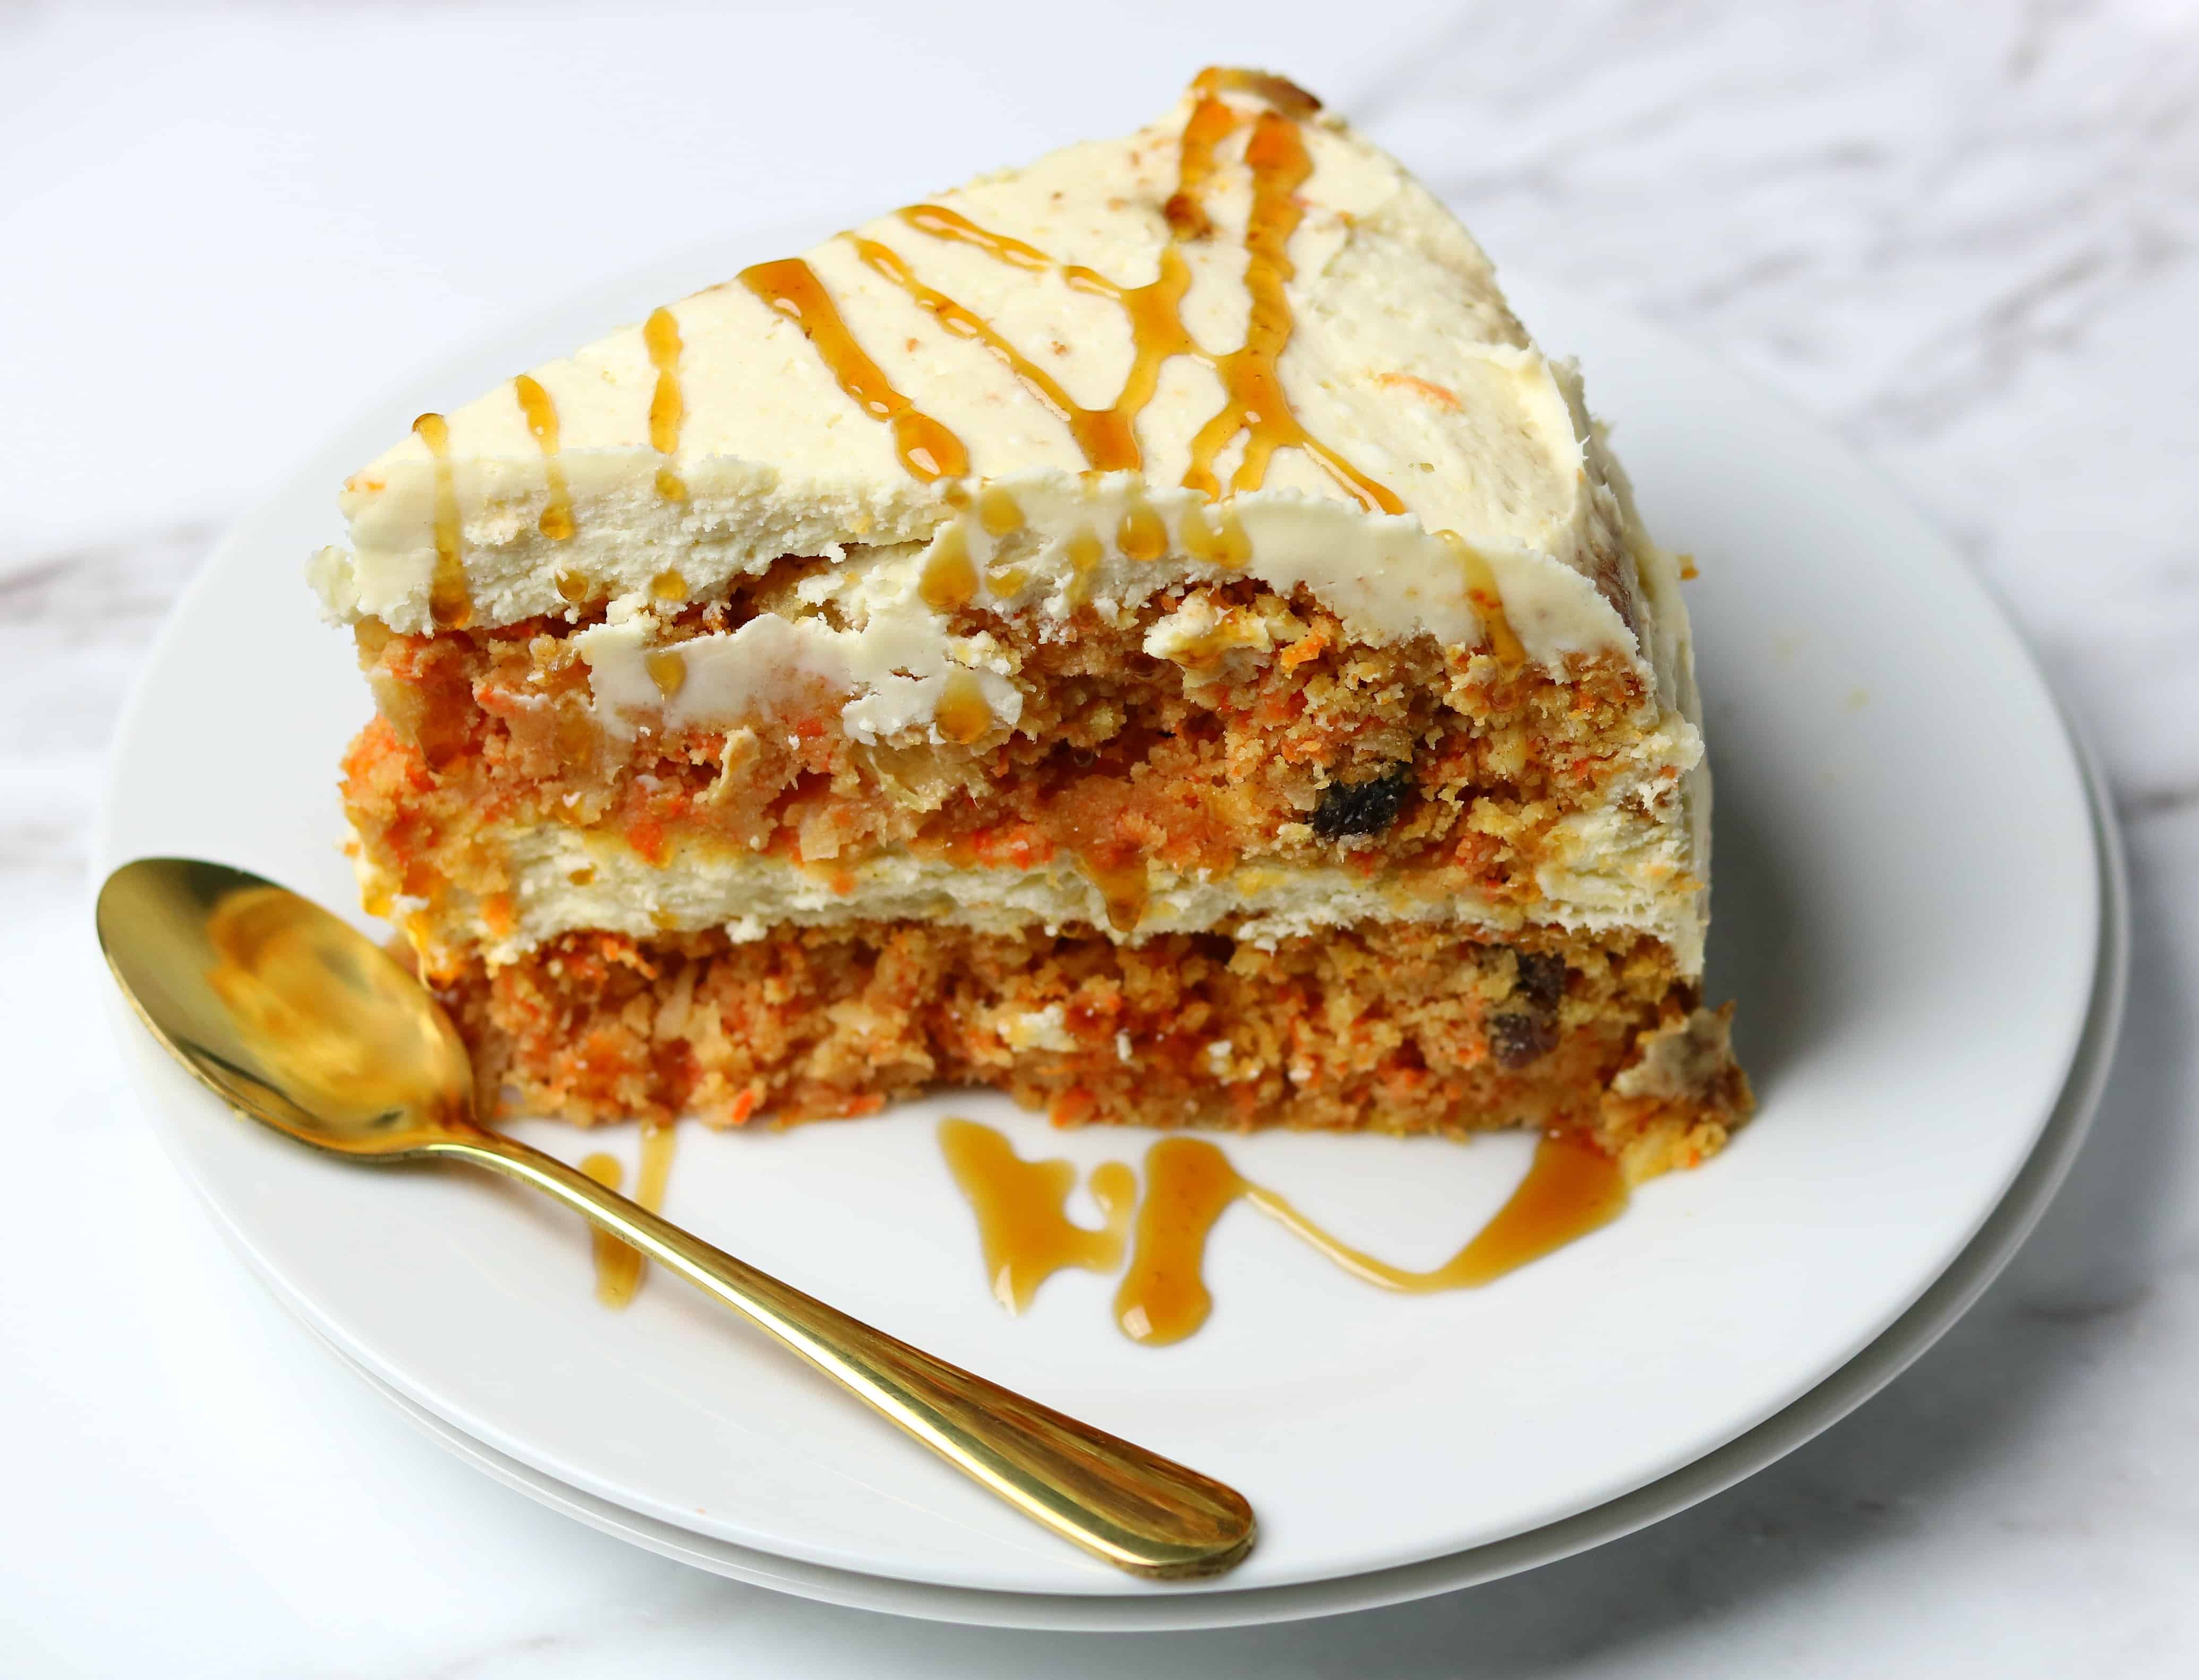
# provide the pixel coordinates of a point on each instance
(1178, 538)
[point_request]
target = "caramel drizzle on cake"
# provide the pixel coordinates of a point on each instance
(1488, 601)
(542, 414)
(448, 602)
(949, 582)
(967, 323)
(667, 407)
(998, 510)
(1108, 436)
(1256, 407)
(928, 449)
(1210, 123)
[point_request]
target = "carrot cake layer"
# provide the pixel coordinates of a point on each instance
(1394, 1028)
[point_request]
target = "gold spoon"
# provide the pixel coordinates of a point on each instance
(299, 1021)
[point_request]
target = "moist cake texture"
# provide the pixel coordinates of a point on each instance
(1148, 632)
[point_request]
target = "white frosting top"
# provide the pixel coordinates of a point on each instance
(1288, 360)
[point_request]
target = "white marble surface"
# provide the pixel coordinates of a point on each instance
(1964, 233)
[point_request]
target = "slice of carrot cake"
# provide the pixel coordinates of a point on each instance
(1148, 632)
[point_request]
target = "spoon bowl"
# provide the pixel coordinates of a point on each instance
(299, 1021)
(287, 1012)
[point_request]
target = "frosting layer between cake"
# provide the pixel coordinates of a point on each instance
(1605, 874)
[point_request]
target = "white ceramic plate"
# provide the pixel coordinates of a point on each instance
(1908, 910)
(1934, 1312)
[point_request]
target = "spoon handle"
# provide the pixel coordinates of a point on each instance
(1139, 1511)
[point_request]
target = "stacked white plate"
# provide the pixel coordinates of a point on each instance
(1919, 908)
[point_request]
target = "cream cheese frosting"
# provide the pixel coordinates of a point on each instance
(1407, 435)
(893, 663)
(564, 879)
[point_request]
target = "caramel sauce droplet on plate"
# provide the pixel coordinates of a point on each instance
(1163, 1298)
(1024, 1228)
(1571, 1189)
(618, 1266)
